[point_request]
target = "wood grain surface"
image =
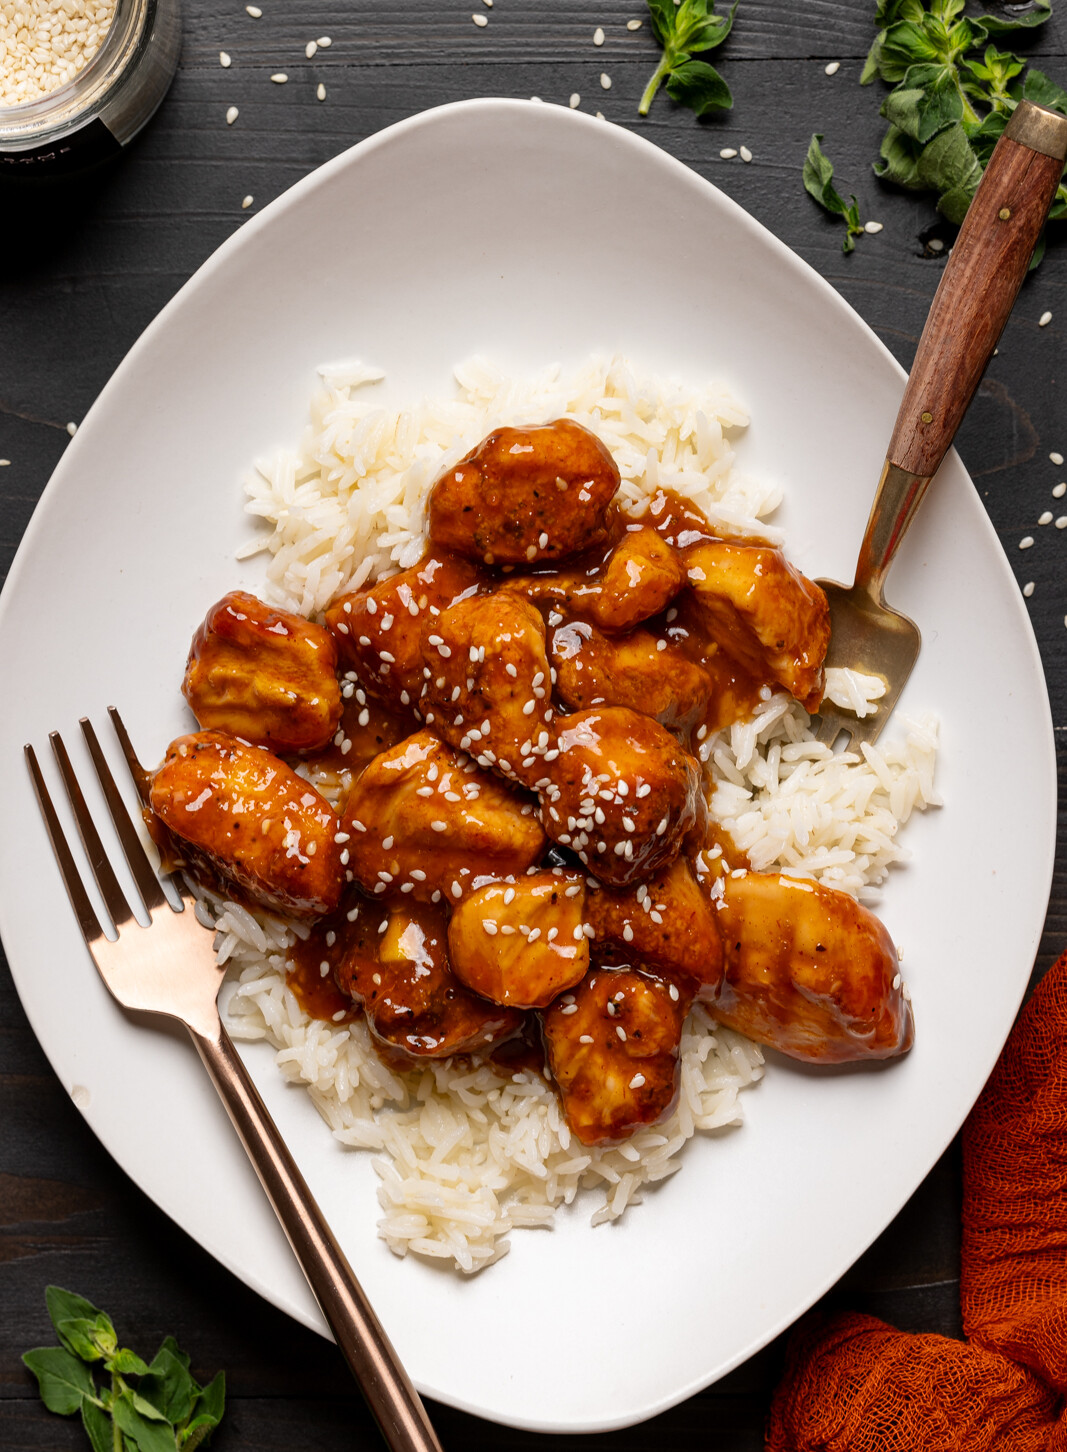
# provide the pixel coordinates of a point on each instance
(83, 270)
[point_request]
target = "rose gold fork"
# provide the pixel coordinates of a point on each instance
(169, 968)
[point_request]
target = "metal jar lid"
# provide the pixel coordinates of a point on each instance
(105, 105)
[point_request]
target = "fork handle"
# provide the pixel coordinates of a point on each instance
(980, 284)
(394, 1402)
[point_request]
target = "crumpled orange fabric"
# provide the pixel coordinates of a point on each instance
(854, 1384)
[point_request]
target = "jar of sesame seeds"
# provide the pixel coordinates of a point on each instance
(79, 78)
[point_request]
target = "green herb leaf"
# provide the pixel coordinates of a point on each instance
(93, 1339)
(683, 30)
(818, 178)
(169, 1386)
(126, 1363)
(1017, 17)
(1037, 87)
(97, 1426)
(207, 1414)
(63, 1380)
(700, 87)
(952, 92)
(66, 1306)
(927, 100)
(147, 1435)
(164, 1411)
(818, 182)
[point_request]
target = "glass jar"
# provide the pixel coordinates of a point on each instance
(105, 105)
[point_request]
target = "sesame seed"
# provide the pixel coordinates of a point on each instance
(529, 708)
(245, 204)
(673, 991)
(728, 153)
(628, 933)
(585, 1039)
(439, 826)
(746, 155)
(1028, 588)
(571, 1008)
(480, 20)
(254, 11)
(621, 1032)
(72, 429)
(324, 42)
(224, 60)
(872, 227)
(598, 36)
(637, 1081)
(578, 933)
(605, 81)
(832, 69)
(310, 49)
(1061, 523)
(4, 463)
(489, 926)
(1056, 457)
(457, 891)
(935, 244)
(575, 101)
(1057, 493)
(1026, 542)
(279, 78)
(633, 24)
(232, 114)
(1046, 517)
(320, 92)
(1044, 320)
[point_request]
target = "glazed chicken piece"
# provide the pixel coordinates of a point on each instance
(396, 965)
(423, 821)
(641, 578)
(594, 669)
(622, 794)
(521, 941)
(808, 971)
(244, 814)
(763, 612)
(525, 495)
(612, 1048)
(638, 579)
(265, 675)
(379, 631)
(666, 923)
(489, 690)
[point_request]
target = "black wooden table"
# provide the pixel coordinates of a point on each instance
(85, 269)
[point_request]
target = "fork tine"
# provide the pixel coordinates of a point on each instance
(830, 727)
(148, 883)
(108, 883)
(137, 771)
(79, 898)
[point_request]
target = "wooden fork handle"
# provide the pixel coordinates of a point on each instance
(979, 286)
(392, 1399)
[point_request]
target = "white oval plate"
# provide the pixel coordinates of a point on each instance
(531, 234)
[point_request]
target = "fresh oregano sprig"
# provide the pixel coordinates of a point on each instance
(819, 183)
(166, 1411)
(685, 30)
(953, 93)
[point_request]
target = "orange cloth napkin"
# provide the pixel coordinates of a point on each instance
(854, 1384)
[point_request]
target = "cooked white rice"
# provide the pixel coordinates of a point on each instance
(464, 1155)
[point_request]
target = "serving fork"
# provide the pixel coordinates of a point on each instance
(169, 968)
(977, 291)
